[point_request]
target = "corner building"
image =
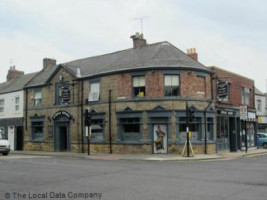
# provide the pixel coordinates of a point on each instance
(137, 98)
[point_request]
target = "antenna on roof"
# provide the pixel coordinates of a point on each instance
(141, 21)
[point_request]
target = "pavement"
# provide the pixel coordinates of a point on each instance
(148, 157)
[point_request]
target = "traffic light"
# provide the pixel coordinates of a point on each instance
(87, 119)
(191, 112)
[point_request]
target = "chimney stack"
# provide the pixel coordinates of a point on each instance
(192, 53)
(49, 62)
(138, 40)
(12, 72)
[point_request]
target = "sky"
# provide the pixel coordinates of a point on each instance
(227, 34)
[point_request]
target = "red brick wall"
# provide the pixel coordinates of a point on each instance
(191, 85)
(237, 82)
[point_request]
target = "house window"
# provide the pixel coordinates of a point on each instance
(37, 97)
(62, 93)
(2, 105)
(210, 129)
(94, 92)
(139, 88)
(194, 127)
(245, 96)
(16, 103)
(171, 85)
(37, 130)
(97, 130)
(259, 105)
(130, 129)
(2, 133)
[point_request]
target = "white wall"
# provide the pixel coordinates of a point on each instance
(9, 105)
(263, 105)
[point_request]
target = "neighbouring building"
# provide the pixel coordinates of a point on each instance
(261, 108)
(11, 106)
(234, 102)
(137, 98)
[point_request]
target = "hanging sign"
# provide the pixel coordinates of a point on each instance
(243, 112)
(65, 95)
(222, 89)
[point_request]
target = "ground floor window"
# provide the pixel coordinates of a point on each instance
(210, 128)
(194, 127)
(37, 130)
(250, 128)
(97, 130)
(223, 129)
(130, 129)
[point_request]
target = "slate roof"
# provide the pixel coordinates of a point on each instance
(16, 84)
(162, 54)
(257, 91)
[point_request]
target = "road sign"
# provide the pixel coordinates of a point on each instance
(243, 112)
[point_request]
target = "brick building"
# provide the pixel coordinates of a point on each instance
(137, 98)
(232, 91)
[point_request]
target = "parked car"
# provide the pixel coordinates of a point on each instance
(4, 144)
(262, 140)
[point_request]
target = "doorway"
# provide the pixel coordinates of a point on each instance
(160, 144)
(19, 138)
(62, 137)
(233, 134)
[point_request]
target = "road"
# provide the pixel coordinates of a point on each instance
(33, 177)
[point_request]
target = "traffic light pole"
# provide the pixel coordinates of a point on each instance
(88, 140)
(187, 129)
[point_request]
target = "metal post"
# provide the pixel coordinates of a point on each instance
(187, 129)
(205, 134)
(88, 140)
(109, 122)
(82, 115)
(246, 135)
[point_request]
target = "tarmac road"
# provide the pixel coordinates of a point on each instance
(38, 177)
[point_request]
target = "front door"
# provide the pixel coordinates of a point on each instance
(11, 137)
(233, 134)
(160, 138)
(62, 137)
(19, 140)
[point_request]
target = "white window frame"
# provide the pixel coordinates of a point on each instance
(259, 105)
(139, 82)
(94, 92)
(245, 96)
(2, 106)
(37, 97)
(17, 103)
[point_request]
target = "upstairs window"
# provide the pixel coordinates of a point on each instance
(2, 105)
(245, 96)
(139, 88)
(259, 105)
(37, 97)
(94, 92)
(171, 85)
(16, 103)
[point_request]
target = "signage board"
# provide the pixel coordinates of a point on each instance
(243, 112)
(222, 89)
(65, 95)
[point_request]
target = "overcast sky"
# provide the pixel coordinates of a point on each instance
(226, 33)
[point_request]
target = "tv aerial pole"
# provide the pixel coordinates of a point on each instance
(141, 21)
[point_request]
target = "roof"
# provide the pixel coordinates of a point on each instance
(258, 92)
(157, 55)
(16, 84)
(162, 54)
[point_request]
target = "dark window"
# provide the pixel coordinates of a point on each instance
(194, 127)
(139, 87)
(130, 129)
(38, 130)
(171, 85)
(97, 129)
(210, 131)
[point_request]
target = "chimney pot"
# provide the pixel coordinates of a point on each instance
(12, 72)
(192, 53)
(49, 62)
(138, 40)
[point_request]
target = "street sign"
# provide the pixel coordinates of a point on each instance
(243, 112)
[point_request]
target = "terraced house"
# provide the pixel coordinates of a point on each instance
(137, 98)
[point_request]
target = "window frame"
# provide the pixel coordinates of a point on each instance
(91, 97)
(41, 125)
(172, 86)
(37, 101)
(17, 104)
(2, 107)
(140, 88)
(245, 96)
